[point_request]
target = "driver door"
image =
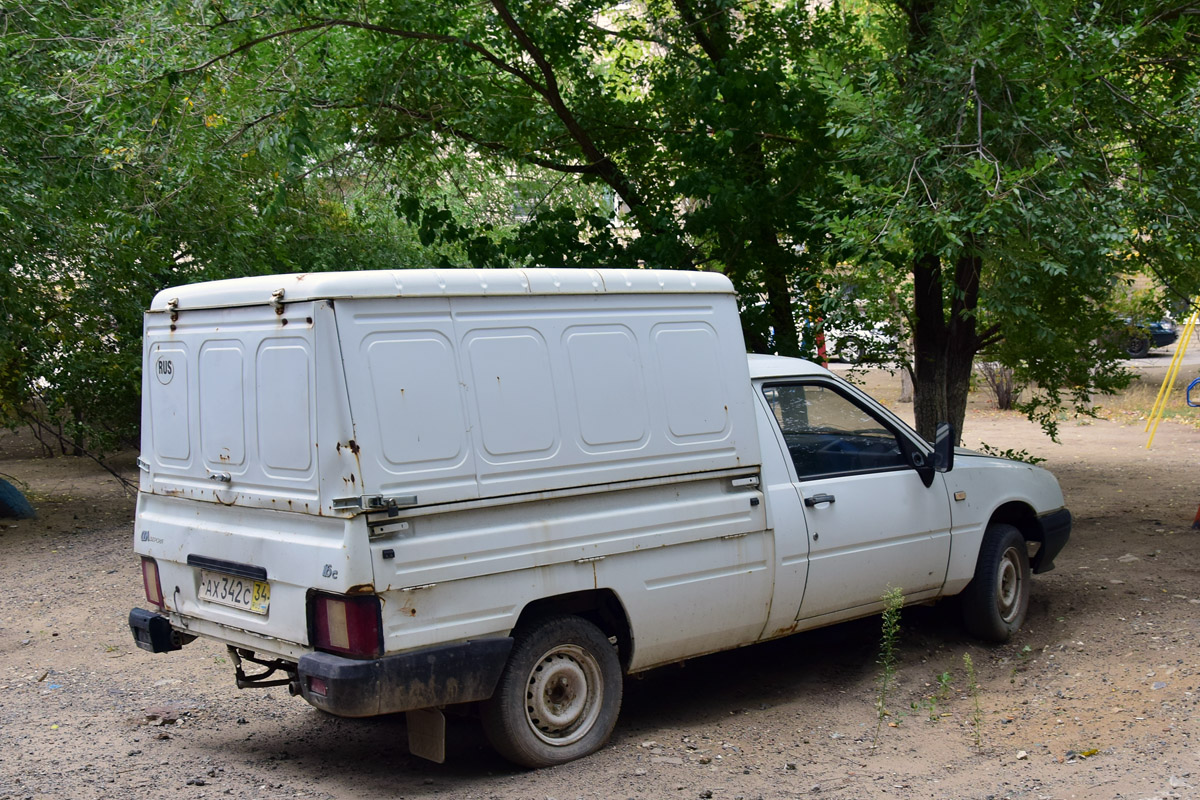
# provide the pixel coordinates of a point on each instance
(872, 523)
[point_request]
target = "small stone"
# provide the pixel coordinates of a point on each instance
(243, 721)
(791, 765)
(1160, 685)
(707, 793)
(1022, 755)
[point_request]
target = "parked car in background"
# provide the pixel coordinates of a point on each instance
(873, 343)
(1140, 337)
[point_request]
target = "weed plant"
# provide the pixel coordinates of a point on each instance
(889, 639)
(976, 708)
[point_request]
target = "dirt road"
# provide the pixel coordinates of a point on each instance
(1096, 698)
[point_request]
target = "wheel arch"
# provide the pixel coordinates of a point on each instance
(1022, 517)
(601, 607)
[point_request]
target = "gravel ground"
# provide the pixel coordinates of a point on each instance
(1096, 698)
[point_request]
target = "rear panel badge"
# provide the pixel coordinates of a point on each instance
(164, 369)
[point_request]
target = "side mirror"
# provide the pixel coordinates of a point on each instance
(943, 447)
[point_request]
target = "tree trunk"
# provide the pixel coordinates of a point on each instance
(779, 306)
(943, 348)
(906, 386)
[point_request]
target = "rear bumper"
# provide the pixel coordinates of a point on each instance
(153, 632)
(1056, 530)
(436, 676)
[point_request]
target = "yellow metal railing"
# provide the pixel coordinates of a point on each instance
(1168, 384)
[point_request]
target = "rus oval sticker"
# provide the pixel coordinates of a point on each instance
(164, 368)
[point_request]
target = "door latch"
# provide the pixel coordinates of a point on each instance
(818, 499)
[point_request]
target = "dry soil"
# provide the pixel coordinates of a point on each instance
(1095, 698)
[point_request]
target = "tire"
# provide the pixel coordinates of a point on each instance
(850, 350)
(559, 695)
(996, 600)
(13, 504)
(1137, 347)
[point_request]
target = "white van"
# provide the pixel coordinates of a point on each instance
(406, 490)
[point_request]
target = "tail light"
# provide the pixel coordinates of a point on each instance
(151, 583)
(351, 626)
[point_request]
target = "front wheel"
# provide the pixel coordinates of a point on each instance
(850, 350)
(996, 600)
(559, 695)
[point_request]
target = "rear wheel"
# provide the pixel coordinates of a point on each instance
(996, 600)
(1137, 347)
(558, 697)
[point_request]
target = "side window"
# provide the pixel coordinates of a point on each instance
(828, 434)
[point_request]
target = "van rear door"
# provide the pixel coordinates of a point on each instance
(230, 401)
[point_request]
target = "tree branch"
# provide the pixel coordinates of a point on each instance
(495, 147)
(328, 23)
(604, 166)
(716, 51)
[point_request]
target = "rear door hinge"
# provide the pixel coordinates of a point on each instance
(375, 502)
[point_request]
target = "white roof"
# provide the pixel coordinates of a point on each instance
(437, 283)
(782, 367)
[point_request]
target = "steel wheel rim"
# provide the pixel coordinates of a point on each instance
(1008, 585)
(563, 695)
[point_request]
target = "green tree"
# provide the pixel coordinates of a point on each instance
(995, 175)
(1007, 164)
(692, 120)
(114, 183)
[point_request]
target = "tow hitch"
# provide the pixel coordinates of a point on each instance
(260, 679)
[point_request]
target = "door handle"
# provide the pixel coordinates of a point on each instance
(818, 499)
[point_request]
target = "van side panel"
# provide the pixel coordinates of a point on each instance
(405, 385)
(691, 562)
(461, 398)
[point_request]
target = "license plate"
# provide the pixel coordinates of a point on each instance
(230, 590)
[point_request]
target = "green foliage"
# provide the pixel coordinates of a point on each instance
(574, 134)
(116, 182)
(979, 177)
(940, 694)
(1015, 157)
(1009, 453)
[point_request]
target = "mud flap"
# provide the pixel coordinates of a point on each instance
(427, 734)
